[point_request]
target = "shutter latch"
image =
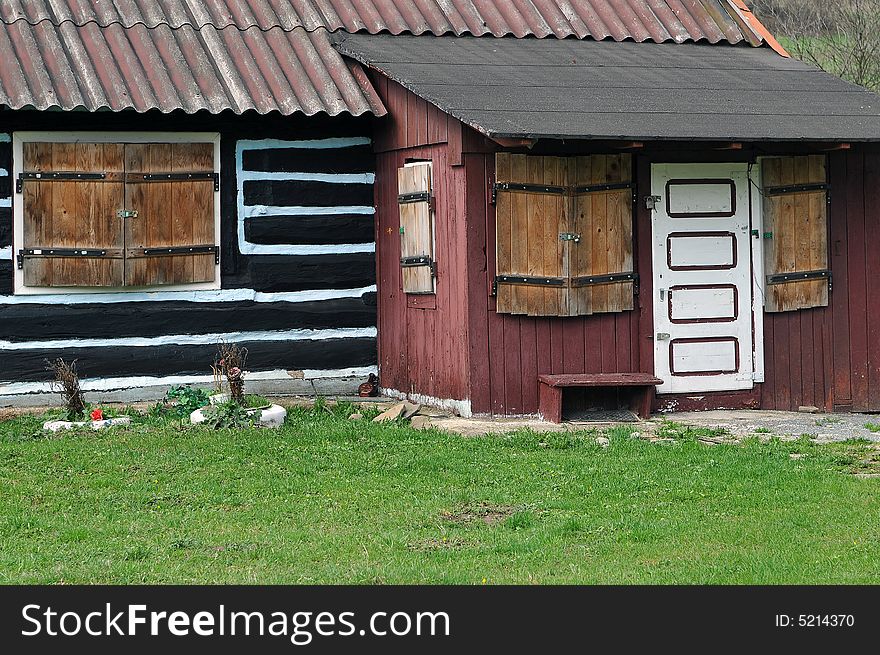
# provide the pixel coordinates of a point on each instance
(127, 213)
(570, 236)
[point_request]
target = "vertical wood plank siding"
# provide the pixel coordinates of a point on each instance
(828, 357)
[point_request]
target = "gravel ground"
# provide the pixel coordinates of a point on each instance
(821, 427)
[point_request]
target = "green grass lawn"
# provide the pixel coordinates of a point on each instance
(328, 500)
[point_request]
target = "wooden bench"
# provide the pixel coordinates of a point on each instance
(552, 386)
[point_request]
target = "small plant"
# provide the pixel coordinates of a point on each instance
(762, 430)
(188, 399)
(66, 383)
(872, 427)
(256, 401)
(228, 415)
(230, 361)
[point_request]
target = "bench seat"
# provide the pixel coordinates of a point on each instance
(551, 388)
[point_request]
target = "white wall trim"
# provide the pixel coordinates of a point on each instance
(18, 138)
(220, 295)
(757, 252)
(194, 339)
(460, 407)
(252, 212)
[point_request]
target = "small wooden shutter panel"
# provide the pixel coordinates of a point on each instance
(530, 213)
(563, 235)
(416, 227)
(171, 239)
(795, 198)
(72, 234)
(602, 216)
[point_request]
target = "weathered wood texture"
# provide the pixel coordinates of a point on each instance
(423, 339)
(797, 226)
(562, 228)
(416, 227)
(22, 322)
(170, 214)
(73, 214)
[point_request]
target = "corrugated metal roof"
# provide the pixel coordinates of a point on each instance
(66, 66)
(582, 89)
(274, 55)
(640, 20)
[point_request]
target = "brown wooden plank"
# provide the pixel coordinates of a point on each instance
(503, 230)
(613, 242)
(582, 252)
(37, 218)
(551, 212)
(817, 291)
(519, 255)
(64, 215)
(533, 238)
(137, 159)
(193, 157)
(625, 232)
(599, 231)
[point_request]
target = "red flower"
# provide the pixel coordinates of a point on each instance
(97, 415)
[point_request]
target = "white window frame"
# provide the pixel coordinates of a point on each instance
(19, 138)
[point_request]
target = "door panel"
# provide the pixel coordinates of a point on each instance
(702, 278)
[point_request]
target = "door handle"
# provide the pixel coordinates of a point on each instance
(662, 294)
(662, 336)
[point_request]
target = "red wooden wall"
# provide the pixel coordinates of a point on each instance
(454, 345)
(421, 338)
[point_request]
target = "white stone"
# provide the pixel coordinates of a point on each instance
(603, 441)
(272, 416)
(55, 426)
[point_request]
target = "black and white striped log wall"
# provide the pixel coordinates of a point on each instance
(297, 268)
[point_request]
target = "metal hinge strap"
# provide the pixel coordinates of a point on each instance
(532, 281)
(798, 276)
(611, 278)
(599, 188)
(421, 260)
(796, 188)
(417, 196)
(54, 176)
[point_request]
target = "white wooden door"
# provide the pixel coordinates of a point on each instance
(703, 337)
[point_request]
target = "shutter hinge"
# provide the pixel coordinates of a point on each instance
(421, 260)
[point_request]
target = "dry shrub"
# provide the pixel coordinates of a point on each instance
(230, 360)
(66, 383)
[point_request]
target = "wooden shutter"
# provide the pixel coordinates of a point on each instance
(601, 268)
(563, 234)
(170, 240)
(72, 235)
(530, 214)
(416, 227)
(795, 199)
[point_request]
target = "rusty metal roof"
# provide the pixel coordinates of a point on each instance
(91, 67)
(275, 55)
(639, 20)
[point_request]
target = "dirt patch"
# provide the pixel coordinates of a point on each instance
(488, 513)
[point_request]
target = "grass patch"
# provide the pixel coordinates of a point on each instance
(328, 500)
(872, 427)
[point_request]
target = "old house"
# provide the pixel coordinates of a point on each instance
(554, 206)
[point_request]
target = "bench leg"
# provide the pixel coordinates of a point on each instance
(550, 403)
(642, 399)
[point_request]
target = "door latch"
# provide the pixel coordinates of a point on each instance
(570, 236)
(127, 213)
(663, 336)
(651, 202)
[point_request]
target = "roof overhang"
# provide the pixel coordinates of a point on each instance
(570, 89)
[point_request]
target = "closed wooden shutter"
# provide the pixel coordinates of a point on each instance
(795, 199)
(563, 234)
(602, 259)
(170, 240)
(416, 227)
(531, 211)
(72, 236)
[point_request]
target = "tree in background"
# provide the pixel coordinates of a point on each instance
(840, 36)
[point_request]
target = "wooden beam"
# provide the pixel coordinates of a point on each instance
(733, 145)
(507, 142)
